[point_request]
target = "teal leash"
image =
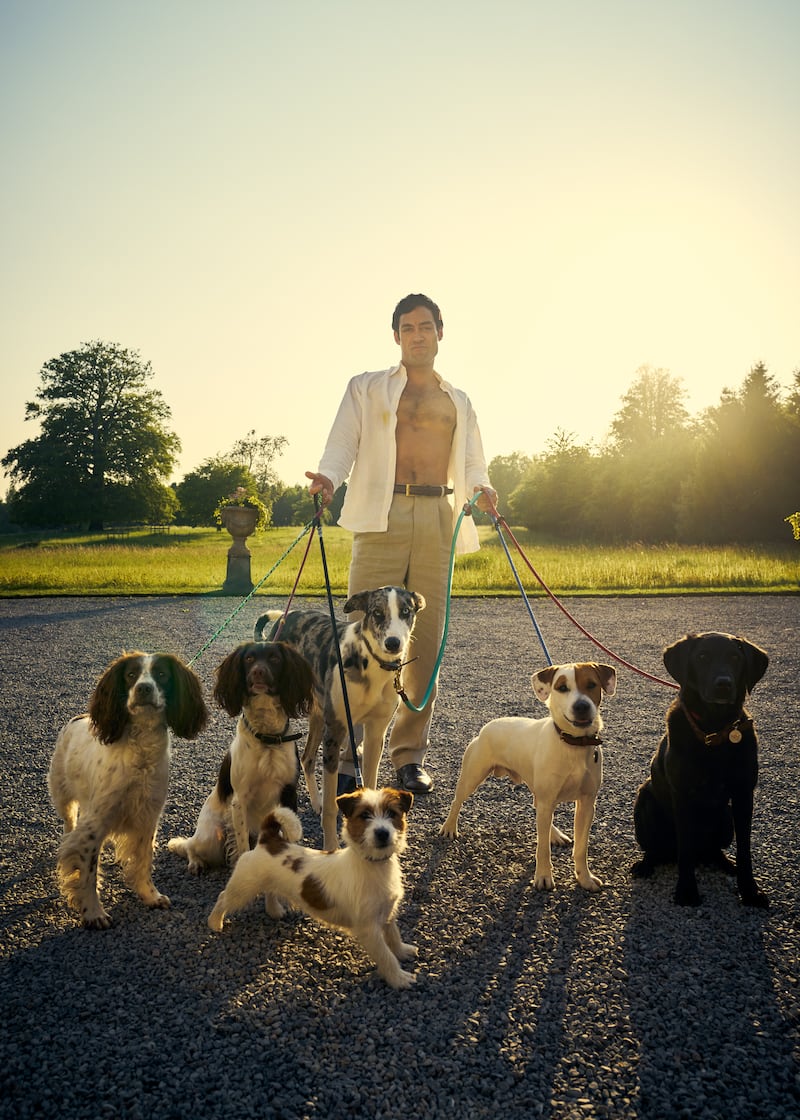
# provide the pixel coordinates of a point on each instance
(465, 512)
(247, 598)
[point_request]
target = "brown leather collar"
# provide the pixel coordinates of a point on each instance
(730, 733)
(578, 740)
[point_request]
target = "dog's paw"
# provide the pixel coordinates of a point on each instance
(449, 831)
(558, 838)
(686, 894)
(273, 906)
(98, 920)
(158, 901)
(590, 882)
(755, 897)
(399, 980)
(216, 919)
(544, 882)
(407, 952)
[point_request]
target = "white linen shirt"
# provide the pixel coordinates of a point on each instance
(361, 450)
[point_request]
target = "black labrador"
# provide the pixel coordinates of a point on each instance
(702, 776)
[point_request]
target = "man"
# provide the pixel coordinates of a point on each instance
(409, 443)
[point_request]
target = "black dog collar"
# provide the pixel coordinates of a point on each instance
(390, 666)
(271, 740)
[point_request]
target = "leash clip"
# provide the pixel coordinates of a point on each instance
(398, 684)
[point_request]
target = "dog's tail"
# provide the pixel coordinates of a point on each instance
(279, 828)
(261, 625)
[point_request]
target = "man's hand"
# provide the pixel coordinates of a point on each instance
(488, 498)
(322, 485)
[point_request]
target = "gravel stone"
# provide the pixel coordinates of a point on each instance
(560, 1005)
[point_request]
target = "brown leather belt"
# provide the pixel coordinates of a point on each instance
(421, 491)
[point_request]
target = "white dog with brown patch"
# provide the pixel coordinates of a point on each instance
(358, 888)
(559, 758)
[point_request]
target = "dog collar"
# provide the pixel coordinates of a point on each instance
(270, 740)
(579, 740)
(730, 733)
(390, 666)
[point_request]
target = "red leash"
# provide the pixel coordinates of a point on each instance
(649, 676)
(315, 518)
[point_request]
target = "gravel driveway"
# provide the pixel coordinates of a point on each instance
(527, 1004)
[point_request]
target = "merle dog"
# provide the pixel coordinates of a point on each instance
(702, 776)
(373, 651)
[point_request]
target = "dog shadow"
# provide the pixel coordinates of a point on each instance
(509, 981)
(722, 1017)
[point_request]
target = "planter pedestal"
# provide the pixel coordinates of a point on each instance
(240, 521)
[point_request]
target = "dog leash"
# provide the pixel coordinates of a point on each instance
(281, 623)
(498, 520)
(248, 597)
(335, 629)
(466, 511)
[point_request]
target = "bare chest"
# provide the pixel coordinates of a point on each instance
(426, 408)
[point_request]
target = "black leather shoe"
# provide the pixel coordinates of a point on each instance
(413, 778)
(346, 783)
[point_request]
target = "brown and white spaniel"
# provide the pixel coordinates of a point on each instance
(264, 684)
(109, 772)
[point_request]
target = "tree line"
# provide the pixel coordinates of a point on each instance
(105, 451)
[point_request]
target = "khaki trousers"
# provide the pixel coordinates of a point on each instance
(414, 553)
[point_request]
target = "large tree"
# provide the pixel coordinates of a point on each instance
(506, 473)
(744, 478)
(652, 409)
(104, 451)
(201, 491)
(258, 455)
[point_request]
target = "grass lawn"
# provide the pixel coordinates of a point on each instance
(185, 561)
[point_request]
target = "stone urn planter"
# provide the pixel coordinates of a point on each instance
(240, 521)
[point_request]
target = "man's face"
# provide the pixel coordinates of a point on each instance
(418, 337)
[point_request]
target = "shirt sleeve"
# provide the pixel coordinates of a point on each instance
(344, 438)
(476, 471)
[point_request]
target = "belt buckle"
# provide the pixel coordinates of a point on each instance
(408, 493)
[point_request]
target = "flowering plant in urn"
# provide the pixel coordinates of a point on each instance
(242, 499)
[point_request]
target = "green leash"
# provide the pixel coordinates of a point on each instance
(465, 512)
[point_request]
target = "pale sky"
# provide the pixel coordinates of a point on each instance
(242, 191)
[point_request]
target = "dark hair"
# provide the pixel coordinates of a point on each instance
(409, 303)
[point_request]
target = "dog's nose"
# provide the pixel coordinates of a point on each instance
(144, 689)
(381, 837)
(723, 687)
(581, 708)
(392, 645)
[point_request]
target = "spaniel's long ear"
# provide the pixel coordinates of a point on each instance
(186, 709)
(230, 691)
(108, 707)
(297, 683)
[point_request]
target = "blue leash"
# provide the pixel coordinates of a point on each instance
(466, 512)
(525, 598)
